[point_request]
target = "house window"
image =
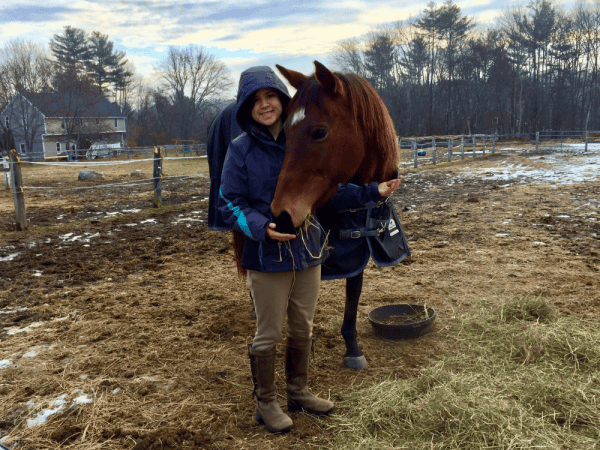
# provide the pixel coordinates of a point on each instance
(63, 124)
(58, 147)
(22, 148)
(116, 123)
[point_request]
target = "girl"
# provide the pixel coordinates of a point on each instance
(284, 271)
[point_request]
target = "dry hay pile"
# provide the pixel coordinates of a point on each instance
(137, 338)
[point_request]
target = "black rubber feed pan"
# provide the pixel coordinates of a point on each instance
(402, 321)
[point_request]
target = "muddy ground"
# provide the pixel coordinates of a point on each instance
(140, 322)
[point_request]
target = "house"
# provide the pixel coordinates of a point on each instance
(45, 125)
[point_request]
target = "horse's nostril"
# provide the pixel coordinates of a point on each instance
(284, 223)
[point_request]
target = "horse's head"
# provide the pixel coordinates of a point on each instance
(337, 131)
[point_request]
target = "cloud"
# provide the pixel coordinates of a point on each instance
(27, 13)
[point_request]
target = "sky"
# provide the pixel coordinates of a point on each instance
(240, 33)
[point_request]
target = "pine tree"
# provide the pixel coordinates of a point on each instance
(105, 65)
(70, 49)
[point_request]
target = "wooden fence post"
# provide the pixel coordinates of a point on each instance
(474, 145)
(587, 139)
(562, 135)
(6, 170)
(146, 152)
(494, 139)
(450, 149)
(434, 156)
(483, 148)
(17, 182)
(157, 176)
(414, 149)
(537, 141)
(462, 147)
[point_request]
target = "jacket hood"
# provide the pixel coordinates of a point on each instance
(252, 80)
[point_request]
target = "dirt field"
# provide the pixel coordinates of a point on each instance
(126, 327)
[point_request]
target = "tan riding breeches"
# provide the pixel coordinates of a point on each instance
(279, 294)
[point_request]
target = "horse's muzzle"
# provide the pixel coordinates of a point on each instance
(283, 223)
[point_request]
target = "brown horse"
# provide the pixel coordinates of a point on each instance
(338, 131)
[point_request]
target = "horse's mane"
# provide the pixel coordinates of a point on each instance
(369, 113)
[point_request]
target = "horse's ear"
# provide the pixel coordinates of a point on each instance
(296, 79)
(328, 80)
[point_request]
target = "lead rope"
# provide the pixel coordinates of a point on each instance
(302, 232)
(308, 222)
(289, 248)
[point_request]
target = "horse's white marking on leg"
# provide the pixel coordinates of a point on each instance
(298, 116)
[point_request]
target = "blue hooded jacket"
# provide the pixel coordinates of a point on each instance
(248, 182)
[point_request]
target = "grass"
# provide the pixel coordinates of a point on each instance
(524, 377)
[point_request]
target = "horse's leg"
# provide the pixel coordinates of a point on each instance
(354, 357)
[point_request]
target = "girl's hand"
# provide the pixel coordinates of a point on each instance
(277, 236)
(387, 187)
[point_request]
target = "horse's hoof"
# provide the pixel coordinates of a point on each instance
(355, 362)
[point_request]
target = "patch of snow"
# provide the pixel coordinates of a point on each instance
(14, 330)
(186, 219)
(9, 257)
(43, 416)
(4, 363)
(83, 398)
(11, 311)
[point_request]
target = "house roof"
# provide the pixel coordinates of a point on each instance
(67, 105)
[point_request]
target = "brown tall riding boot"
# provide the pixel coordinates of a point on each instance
(268, 410)
(296, 371)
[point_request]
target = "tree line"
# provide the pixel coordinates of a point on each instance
(180, 102)
(535, 68)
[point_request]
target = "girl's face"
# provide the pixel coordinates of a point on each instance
(267, 107)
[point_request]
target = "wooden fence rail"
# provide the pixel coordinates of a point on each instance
(483, 140)
(14, 180)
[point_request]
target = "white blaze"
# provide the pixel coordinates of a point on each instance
(298, 116)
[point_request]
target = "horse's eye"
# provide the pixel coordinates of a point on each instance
(318, 134)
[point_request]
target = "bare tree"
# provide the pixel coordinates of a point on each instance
(24, 68)
(347, 56)
(188, 78)
(74, 95)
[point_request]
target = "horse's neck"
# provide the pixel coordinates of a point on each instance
(373, 169)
